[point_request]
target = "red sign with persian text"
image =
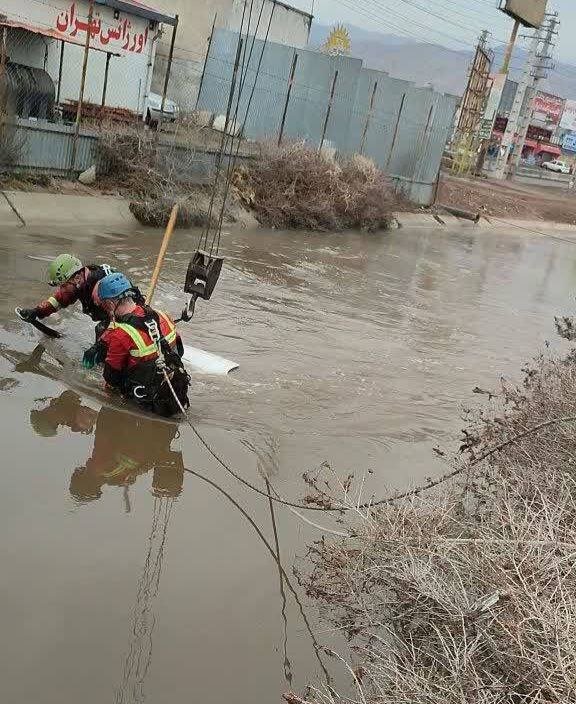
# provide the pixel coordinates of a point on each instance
(548, 108)
(120, 34)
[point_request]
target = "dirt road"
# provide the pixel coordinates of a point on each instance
(509, 200)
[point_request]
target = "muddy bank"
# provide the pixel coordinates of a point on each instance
(475, 576)
(509, 200)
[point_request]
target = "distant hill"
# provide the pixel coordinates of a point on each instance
(432, 64)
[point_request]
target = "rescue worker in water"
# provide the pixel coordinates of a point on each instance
(142, 350)
(75, 282)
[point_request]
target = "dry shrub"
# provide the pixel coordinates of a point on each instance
(156, 175)
(294, 187)
(133, 158)
(192, 212)
(468, 594)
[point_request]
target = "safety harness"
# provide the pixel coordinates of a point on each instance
(147, 380)
(134, 324)
(95, 274)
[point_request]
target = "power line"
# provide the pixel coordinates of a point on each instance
(387, 24)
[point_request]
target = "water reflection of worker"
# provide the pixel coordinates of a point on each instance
(125, 447)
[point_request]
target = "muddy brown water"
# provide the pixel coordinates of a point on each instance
(125, 579)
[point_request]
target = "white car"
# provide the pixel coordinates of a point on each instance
(560, 167)
(154, 113)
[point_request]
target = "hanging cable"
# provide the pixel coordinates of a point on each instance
(532, 231)
(315, 644)
(232, 163)
(203, 240)
(230, 138)
(369, 505)
(227, 467)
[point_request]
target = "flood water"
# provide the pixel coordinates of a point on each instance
(127, 579)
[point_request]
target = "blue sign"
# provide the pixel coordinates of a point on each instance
(569, 143)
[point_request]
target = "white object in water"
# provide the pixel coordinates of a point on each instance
(206, 362)
(232, 127)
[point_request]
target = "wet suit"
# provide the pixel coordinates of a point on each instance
(131, 364)
(79, 288)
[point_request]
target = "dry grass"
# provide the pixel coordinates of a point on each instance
(294, 187)
(467, 593)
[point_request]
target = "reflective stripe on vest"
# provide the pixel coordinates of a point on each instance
(142, 348)
(54, 303)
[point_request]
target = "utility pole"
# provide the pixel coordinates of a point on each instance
(543, 65)
(535, 69)
(510, 48)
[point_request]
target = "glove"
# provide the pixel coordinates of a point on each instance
(28, 314)
(94, 355)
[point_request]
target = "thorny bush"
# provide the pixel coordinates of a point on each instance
(156, 173)
(295, 187)
(467, 594)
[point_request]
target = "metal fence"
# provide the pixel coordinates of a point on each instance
(41, 146)
(332, 101)
(44, 146)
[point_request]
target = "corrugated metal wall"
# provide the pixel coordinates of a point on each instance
(402, 127)
(45, 146)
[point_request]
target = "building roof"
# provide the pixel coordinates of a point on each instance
(141, 9)
(293, 9)
(48, 32)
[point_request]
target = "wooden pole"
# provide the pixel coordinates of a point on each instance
(510, 48)
(105, 88)
(169, 67)
(162, 253)
(206, 60)
(82, 89)
(328, 111)
(60, 70)
(287, 102)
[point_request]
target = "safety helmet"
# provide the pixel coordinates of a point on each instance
(114, 286)
(63, 268)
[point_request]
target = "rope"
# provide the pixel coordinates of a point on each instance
(473, 463)
(532, 231)
(276, 557)
(371, 504)
(226, 466)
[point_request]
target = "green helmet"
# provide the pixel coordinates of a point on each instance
(63, 268)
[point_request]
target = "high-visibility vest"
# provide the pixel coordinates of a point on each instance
(143, 348)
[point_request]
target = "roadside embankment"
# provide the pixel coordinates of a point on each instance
(467, 592)
(40, 208)
(288, 188)
(509, 199)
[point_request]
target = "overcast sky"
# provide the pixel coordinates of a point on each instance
(453, 23)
